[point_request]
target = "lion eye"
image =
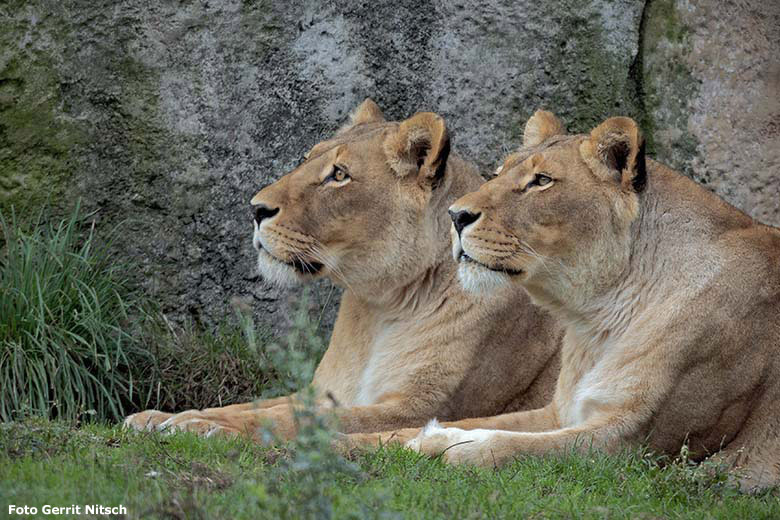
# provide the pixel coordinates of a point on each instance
(542, 179)
(339, 174)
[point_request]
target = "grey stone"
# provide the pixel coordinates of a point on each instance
(168, 116)
(712, 71)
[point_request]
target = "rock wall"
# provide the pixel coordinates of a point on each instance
(711, 85)
(168, 116)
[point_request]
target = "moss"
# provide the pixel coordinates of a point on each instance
(664, 21)
(654, 89)
(38, 146)
(581, 50)
(45, 153)
(668, 85)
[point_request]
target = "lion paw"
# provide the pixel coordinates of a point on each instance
(194, 421)
(199, 426)
(454, 445)
(147, 420)
(172, 423)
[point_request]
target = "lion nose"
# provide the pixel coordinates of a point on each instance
(263, 212)
(462, 219)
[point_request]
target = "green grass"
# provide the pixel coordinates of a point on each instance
(235, 362)
(77, 342)
(74, 338)
(182, 476)
(66, 348)
(197, 367)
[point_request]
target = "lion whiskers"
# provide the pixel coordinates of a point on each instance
(319, 253)
(526, 249)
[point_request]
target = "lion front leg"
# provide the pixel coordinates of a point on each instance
(489, 448)
(543, 419)
(278, 420)
(258, 404)
(346, 443)
(751, 461)
(154, 420)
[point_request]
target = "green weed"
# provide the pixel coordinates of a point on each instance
(66, 347)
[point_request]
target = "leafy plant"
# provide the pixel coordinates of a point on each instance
(294, 362)
(310, 462)
(199, 367)
(237, 361)
(65, 344)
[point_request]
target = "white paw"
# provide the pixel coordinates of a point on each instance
(435, 440)
(431, 430)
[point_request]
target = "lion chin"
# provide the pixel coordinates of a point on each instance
(276, 272)
(476, 278)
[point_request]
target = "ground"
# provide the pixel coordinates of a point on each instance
(182, 476)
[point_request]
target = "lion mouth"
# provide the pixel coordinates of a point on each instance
(300, 265)
(305, 266)
(466, 259)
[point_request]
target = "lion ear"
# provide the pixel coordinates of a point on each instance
(540, 127)
(420, 146)
(366, 112)
(616, 149)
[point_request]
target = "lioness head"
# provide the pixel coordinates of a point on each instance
(363, 208)
(558, 212)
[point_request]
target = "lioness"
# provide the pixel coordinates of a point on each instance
(669, 295)
(368, 209)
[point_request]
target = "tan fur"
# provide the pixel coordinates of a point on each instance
(540, 127)
(408, 343)
(366, 112)
(670, 298)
